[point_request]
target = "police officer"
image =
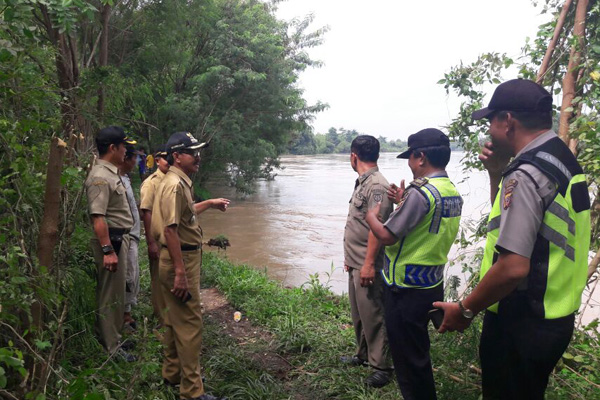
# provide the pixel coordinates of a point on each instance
(147, 194)
(175, 227)
(111, 218)
(534, 267)
(418, 236)
(363, 256)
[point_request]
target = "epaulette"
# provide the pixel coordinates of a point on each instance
(419, 182)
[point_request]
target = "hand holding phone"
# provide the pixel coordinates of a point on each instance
(436, 316)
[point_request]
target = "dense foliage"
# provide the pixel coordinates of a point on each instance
(336, 141)
(225, 70)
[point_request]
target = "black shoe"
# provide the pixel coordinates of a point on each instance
(353, 361)
(127, 345)
(170, 384)
(378, 379)
(125, 356)
(207, 396)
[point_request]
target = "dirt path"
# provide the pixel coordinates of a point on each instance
(220, 312)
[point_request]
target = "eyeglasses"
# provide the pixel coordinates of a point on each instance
(193, 153)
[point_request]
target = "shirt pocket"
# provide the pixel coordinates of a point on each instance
(120, 193)
(188, 215)
(358, 209)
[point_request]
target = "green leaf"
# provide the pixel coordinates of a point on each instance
(568, 356)
(17, 280)
(42, 344)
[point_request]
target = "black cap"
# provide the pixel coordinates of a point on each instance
(161, 151)
(130, 150)
(517, 95)
(113, 135)
(183, 140)
(425, 138)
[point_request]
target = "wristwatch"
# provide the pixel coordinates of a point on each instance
(108, 249)
(468, 314)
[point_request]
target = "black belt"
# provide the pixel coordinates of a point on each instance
(187, 247)
(118, 231)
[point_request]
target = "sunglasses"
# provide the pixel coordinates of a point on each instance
(193, 153)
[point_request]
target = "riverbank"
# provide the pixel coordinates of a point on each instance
(287, 346)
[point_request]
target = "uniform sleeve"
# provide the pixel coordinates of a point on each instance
(147, 195)
(98, 194)
(171, 205)
(378, 194)
(521, 214)
(408, 214)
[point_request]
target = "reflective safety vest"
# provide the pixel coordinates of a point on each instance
(417, 260)
(559, 262)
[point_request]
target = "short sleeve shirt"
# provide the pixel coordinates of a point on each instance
(149, 188)
(107, 195)
(524, 197)
(411, 210)
(173, 205)
(370, 189)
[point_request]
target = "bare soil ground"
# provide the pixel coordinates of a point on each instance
(219, 311)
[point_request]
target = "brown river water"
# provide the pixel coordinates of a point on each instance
(293, 226)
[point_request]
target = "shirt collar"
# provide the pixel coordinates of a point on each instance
(543, 138)
(369, 172)
(107, 164)
(181, 174)
(437, 174)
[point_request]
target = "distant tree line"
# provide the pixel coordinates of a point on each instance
(339, 140)
(336, 141)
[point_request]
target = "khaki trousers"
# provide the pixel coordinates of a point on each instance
(158, 304)
(366, 305)
(110, 296)
(183, 325)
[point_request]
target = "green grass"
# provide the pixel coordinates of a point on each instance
(310, 327)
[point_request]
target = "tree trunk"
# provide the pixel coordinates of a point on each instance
(47, 239)
(570, 79)
(103, 62)
(552, 45)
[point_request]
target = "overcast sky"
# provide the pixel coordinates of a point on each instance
(383, 57)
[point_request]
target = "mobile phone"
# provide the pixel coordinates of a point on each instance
(436, 316)
(187, 297)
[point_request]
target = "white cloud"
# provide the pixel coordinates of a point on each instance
(383, 57)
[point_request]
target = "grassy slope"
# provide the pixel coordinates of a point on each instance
(311, 330)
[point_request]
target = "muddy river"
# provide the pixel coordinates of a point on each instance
(293, 226)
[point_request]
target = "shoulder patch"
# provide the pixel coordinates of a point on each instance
(99, 182)
(378, 195)
(403, 198)
(508, 193)
(419, 182)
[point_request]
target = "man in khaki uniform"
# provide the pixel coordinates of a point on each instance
(147, 194)
(175, 227)
(112, 220)
(363, 259)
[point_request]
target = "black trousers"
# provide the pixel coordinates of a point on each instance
(519, 352)
(406, 319)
